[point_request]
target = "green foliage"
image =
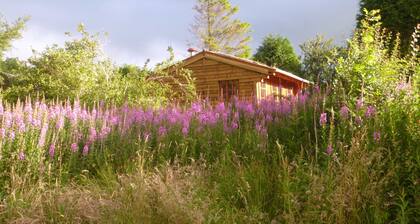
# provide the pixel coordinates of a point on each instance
(10, 32)
(75, 70)
(278, 52)
(216, 30)
(370, 69)
(79, 69)
(398, 16)
(319, 60)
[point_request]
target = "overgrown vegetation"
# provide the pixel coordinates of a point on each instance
(80, 70)
(344, 153)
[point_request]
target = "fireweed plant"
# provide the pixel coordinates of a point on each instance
(54, 144)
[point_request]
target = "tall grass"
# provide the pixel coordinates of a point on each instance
(305, 159)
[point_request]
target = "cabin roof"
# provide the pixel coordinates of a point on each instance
(243, 63)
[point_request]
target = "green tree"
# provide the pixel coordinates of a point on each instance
(76, 70)
(10, 32)
(398, 16)
(319, 60)
(216, 30)
(370, 68)
(278, 52)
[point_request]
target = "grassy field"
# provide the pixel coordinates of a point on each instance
(305, 159)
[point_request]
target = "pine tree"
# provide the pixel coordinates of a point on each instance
(216, 30)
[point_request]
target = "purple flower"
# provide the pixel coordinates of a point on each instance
(52, 150)
(146, 136)
(329, 150)
(370, 112)
(185, 130)
(21, 156)
(323, 119)
(74, 147)
(162, 131)
(359, 103)
(42, 136)
(317, 89)
(359, 120)
(2, 132)
(85, 150)
(344, 112)
(12, 135)
(377, 136)
(60, 122)
(235, 125)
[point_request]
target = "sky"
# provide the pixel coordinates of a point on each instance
(143, 29)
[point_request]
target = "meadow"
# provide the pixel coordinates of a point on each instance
(304, 159)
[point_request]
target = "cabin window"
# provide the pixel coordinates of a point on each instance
(263, 90)
(228, 89)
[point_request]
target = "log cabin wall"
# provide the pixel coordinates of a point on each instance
(209, 73)
(275, 88)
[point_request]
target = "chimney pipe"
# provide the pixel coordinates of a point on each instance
(192, 50)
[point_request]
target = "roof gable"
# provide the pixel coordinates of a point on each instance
(242, 63)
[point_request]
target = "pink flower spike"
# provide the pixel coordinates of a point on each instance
(329, 150)
(85, 150)
(74, 147)
(21, 156)
(377, 136)
(370, 112)
(323, 119)
(359, 104)
(344, 112)
(52, 150)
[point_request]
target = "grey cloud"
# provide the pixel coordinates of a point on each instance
(143, 29)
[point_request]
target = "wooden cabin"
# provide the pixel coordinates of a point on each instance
(220, 76)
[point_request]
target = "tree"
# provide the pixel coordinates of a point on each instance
(277, 51)
(10, 32)
(216, 30)
(371, 69)
(319, 60)
(75, 70)
(397, 16)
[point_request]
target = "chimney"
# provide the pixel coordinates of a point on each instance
(192, 50)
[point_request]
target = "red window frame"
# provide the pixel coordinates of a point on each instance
(228, 89)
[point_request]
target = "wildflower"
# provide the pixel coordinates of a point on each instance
(329, 150)
(185, 131)
(92, 134)
(2, 132)
(42, 136)
(377, 136)
(85, 150)
(370, 112)
(60, 123)
(162, 131)
(344, 112)
(21, 156)
(317, 89)
(12, 135)
(402, 86)
(359, 103)
(359, 120)
(74, 147)
(323, 119)
(52, 150)
(146, 136)
(235, 125)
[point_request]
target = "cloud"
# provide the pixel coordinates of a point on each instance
(144, 29)
(34, 38)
